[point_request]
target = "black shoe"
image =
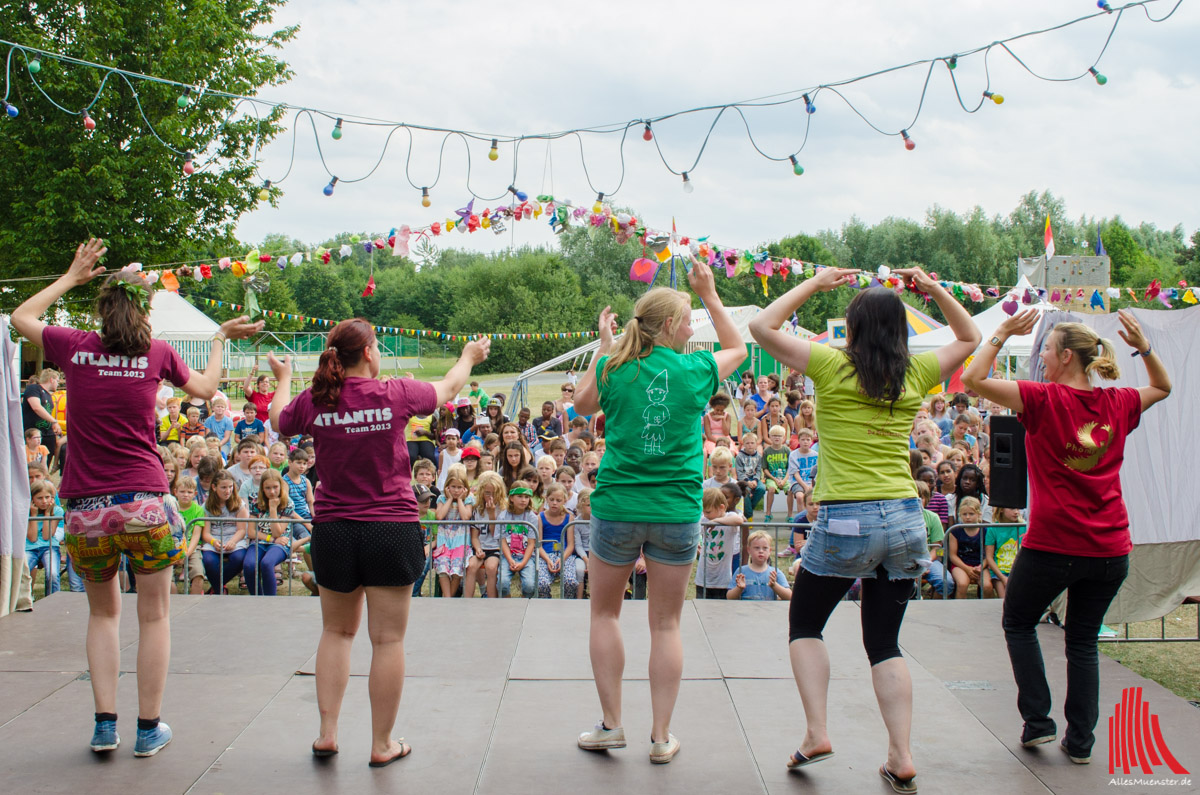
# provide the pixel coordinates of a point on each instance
(1030, 738)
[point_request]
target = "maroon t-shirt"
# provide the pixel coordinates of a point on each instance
(1075, 444)
(362, 458)
(114, 426)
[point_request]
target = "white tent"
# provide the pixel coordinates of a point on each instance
(987, 322)
(184, 327)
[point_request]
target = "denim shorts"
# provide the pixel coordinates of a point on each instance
(620, 543)
(854, 539)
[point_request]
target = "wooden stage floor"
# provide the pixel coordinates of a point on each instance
(497, 691)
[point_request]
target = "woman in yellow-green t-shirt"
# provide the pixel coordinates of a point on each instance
(870, 523)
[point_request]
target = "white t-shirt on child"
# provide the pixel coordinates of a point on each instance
(716, 555)
(712, 483)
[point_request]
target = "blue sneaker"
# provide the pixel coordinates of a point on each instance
(151, 741)
(105, 737)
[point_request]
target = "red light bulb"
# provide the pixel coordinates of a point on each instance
(909, 143)
(89, 123)
(189, 167)
(647, 135)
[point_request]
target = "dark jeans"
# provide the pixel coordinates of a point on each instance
(259, 567)
(1036, 580)
(422, 449)
(214, 568)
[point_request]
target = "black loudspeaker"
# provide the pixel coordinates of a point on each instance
(1008, 485)
(1009, 478)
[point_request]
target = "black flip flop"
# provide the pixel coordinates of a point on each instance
(800, 760)
(405, 750)
(322, 753)
(905, 786)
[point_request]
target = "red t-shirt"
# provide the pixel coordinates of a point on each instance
(362, 459)
(262, 402)
(1075, 444)
(114, 426)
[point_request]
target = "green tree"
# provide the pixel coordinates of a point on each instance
(63, 185)
(318, 291)
(1126, 255)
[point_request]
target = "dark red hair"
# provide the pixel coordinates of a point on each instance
(343, 348)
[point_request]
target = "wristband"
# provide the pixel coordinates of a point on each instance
(219, 337)
(1148, 351)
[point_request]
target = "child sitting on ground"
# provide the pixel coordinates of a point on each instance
(757, 580)
(775, 464)
(249, 424)
(35, 451)
(801, 463)
(483, 567)
(450, 555)
(934, 534)
(714, 575)
(1001, 545)
(553, 520)
(428, 531)
(518, 540)
(966, 549)
(45, 534)
(193, 427)
(191, 569)
(579, 541)
(747, 467)
(224, 549)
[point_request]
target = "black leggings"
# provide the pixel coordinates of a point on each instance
(883, 604)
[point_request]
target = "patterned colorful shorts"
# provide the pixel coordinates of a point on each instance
(141, 525)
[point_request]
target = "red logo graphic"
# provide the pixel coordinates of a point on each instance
(1135, 739)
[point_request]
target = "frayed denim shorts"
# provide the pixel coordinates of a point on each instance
(620, 543)
(854, 539)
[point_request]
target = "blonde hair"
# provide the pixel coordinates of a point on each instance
(546, 459)
(40, 486)
(646, 327)
(777, 430)
(498, 488)
(1095, 354)
(970, 502)
(749, 437)
(555, 488)
(923, 491)
(721, 455)
(713, 498)
(456, 472)
(758, 535)
(800, 418)
(285, 502)
(584, 494)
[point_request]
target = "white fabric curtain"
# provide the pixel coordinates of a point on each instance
(15, 584)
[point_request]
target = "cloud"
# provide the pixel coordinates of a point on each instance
(510, 68)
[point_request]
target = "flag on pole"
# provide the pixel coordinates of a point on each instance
(1100, 252)
(1049, 239)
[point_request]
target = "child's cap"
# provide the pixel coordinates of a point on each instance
(547, 436)
(451, 432)
(496, 401)
(423, 492)
(470, 452)
(462, 403)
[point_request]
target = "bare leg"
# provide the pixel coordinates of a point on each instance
(893, 691)
(810, 667)
(666, 644)
(154, 640)
(605, 644)
(103, 641)
(491, 568)
(471, 585)
(961, 581)
(340, 617)
(387, 621)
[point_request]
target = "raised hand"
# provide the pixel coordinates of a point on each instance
(86, 256)
(1132, 333)
(827, 279)
(238, 328)
(1018, 325)
(280, 368)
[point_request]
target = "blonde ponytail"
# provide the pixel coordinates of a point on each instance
(645, 328)
(1096, 355)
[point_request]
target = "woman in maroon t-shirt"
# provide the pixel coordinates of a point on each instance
(366, 539)
(1078, 537)
(114, 485)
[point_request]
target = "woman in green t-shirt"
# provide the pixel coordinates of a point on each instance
(870, 523)
(648, 488)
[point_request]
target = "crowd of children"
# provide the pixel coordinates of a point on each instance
(503, 497)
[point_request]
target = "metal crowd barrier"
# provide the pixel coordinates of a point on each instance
(947, 579)
(430, 574)
(252, 548)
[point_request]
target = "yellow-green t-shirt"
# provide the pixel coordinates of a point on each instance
(864, 445)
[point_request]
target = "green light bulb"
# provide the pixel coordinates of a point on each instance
(337, 130)
(797, 169)
(35, 66)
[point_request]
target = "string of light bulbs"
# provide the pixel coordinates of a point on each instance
(194, 94)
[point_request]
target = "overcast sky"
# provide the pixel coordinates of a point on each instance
(1127, 148)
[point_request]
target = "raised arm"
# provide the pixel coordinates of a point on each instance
(27, 318)
(966, 335)
(765, 327)
(1160, 382)
(733, 348)
(997, 390)
(282, 370)
(205, 384)
(473, 353)
(587, 396)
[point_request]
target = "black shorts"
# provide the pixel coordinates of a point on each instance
(347, 554)
(491, 553)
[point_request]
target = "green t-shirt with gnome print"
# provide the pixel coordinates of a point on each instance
(653, 463)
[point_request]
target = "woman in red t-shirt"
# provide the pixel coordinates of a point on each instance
(1078, 537)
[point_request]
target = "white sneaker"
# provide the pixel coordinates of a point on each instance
(601, 738)
(661, 753)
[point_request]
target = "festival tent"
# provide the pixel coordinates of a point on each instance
(918, 323)
(987, 322)
(184, 327)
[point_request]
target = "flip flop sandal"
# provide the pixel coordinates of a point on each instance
(905, 786)
(322, 753)
(800, 760)
(405, 750)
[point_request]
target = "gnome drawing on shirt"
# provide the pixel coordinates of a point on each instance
(656, 415)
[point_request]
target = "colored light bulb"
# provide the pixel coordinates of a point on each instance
(189, 167)
(909, 143)
(647, 135)
(89, 123)
(494, 152)
(1104, 6)
(1100, 79)
(337, 130)
(11, 110)
(264, 192)
(688, 187)
(184, 98)
(425, 200)
(598, 207)
(35, 66)
(997, 98)
(328, 189)
(797, 169)
(520, 194)
(809, 107)
(952, 62)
